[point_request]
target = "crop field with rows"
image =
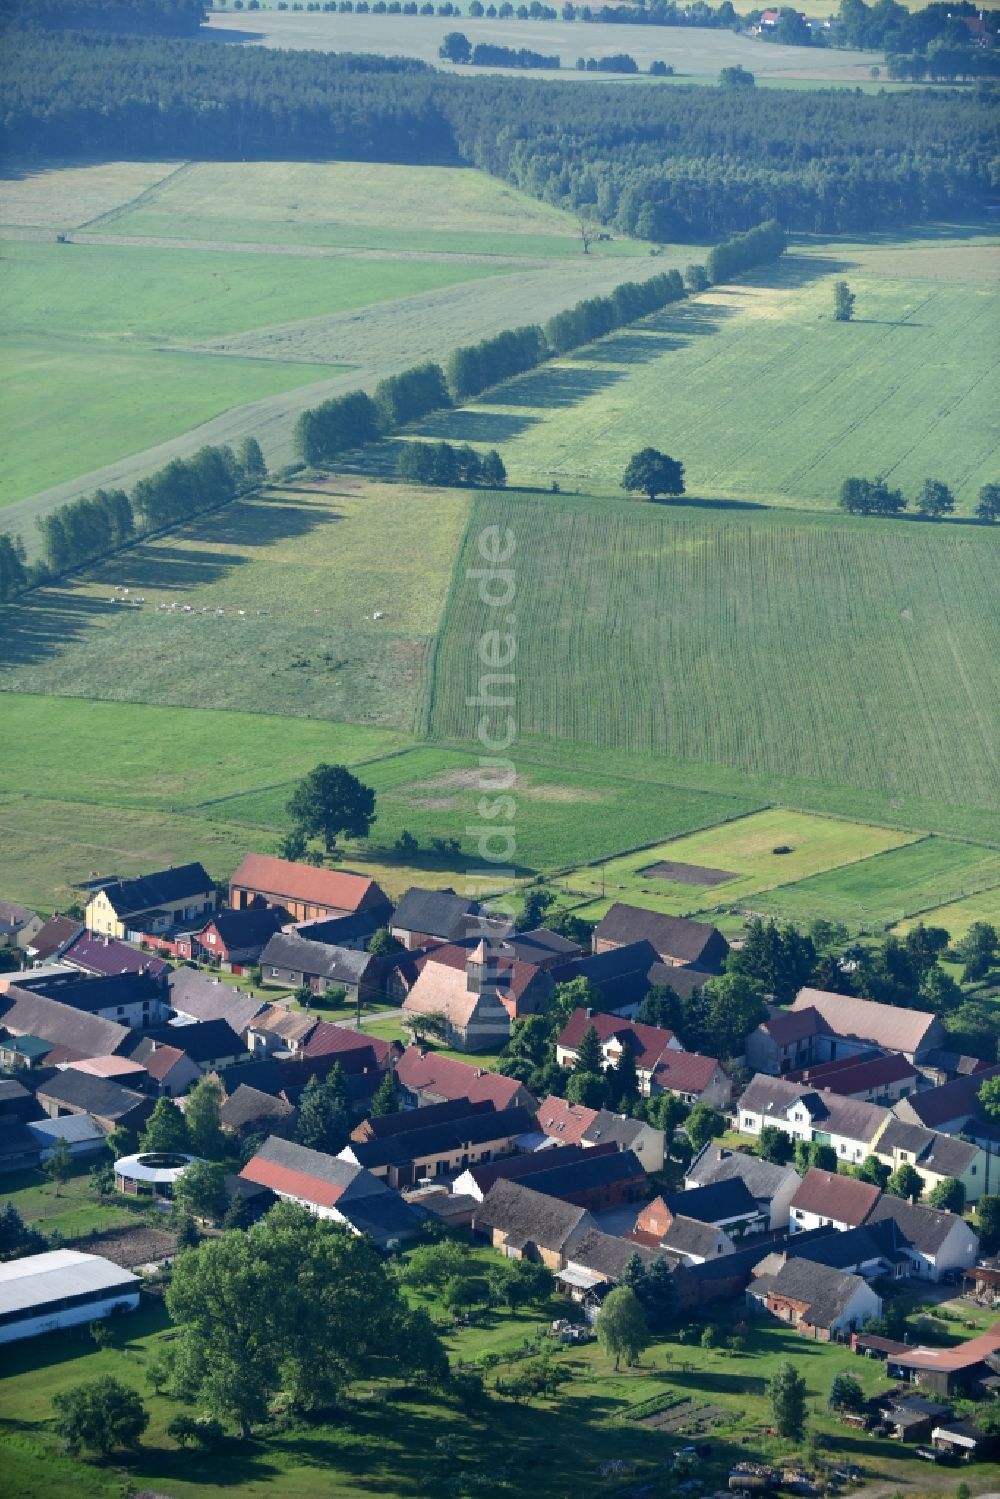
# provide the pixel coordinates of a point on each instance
(764, 398)
(859, 654)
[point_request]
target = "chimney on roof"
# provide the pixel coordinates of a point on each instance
(589, 1012)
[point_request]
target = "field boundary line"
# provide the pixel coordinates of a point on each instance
(147, 194)
(430, 681)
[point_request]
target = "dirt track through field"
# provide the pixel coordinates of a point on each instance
(377, 341)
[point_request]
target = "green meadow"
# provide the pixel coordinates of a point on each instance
(818, 648)
(763, 397)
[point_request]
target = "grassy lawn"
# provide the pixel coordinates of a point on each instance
(102, 342)
(959, 915)
(299, 576)
(881, 890)
(771, 400)
(551, 1447)
(745, 849)
(72, 1207)
(370, 205)
(817, 648)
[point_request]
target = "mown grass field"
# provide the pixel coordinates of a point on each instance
(882, 890)
(959, 915)
(386, 1440)
(431, 792)
(823, 648)
(103, 355)
(745, 849)
(67, 194)
(298, 577)
(369, 205)
(764, 397)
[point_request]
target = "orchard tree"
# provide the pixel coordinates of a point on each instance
(589, 1089)
(621, 1326)
(537, 902)
(100, 1416)
(166, 1130)
(455, 47)
(330, 802)
(696, 279)
(905, 1182)
(787, 1394)
(988, 505)
(653, 473)
(843, 302)
(935, 499)
(948, 1195)
(382, 944)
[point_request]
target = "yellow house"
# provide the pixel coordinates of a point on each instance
(936, 1157)
(152, 903)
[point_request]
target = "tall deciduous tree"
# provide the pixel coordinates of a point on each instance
(948, 1195)
(201, 1191)
(331, 802)
(653, 473)
(99, 1416)
(787, 1394)
(935, 499)
(703, 1124)
(843, 302)
(905, 1182)
(621, 1326)
(988, 503)
(202, 1116)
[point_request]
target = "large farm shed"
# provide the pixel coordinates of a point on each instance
(45, 1292)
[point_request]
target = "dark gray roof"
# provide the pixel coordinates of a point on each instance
(614, 1128)
(11, 1091)
(850, 1117)
(203, 1041)
(249, 927)
(762, 1179)
(318, 959)
(607, 1254)
(672, 936)
(191, 993)
(16, 1138)
(946, 1155)
(621, 973)
(826, 1292)
(683, 980)
(101, 1096)
(528, 1216)
(327, 1168)
(924, 1229)
(447, 1135)
(690, 1236)
(164, 888)
(898, 1135)
(382, 1215)
(90, 994)
(72, 1030)
(405, 1121)
(848, 1249)
(588, 1173)
(438, 913)
(716, 1203)
(56, 935)
(341, 930)
(250, 1106)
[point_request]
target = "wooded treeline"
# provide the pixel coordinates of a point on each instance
(662, 163)
(177, 17)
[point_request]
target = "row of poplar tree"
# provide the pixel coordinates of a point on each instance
(351, 421)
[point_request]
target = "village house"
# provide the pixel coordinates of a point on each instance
(692, 1242)
(333, 1188)
(599, 1179)
(872, 1077)
(124, 1070)
(18, 925)
(950, 1371)
(851, 1127)
(290, 961)
(771, 1187)
(529, 1225)
(236, 939)
(424, 918)
(643, 1140)
(934, 1242)
(61, 1288)
(647, 1043)
(169, 1069)
(278, 1029)
(825, 1199)
(70, 1034)
(52, 939)
(724, 1204)
(24, 1053)
(938, 1158)
(209, 1044)
(624, 976)
(193, 996)
(152, 905)
(103, 957)
(130, 999)
(103, 1099)
(440, 1149)
(426, 1077)
(598, 1263)
(679, 943)
(952, 1109)
(16, 1101)
(468, 1000)
(942, 1065)
(247, 1111)
(303, 892)
(820, 1303)
(477, 1180)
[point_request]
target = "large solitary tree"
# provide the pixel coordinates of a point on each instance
(843, 302)
(330, 802)
(653, 473)
(621, 1326)
(99, 1416)
(787, 1394)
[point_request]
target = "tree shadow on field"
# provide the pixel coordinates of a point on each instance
(471, 424)
(558, 385)
(696, 502)
(797, 270)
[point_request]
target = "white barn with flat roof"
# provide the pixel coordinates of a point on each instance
(61, 1288)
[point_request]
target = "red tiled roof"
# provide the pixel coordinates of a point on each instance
(687, 1071)
(431, 1072)
(647, 1041)
(564, 1121)
(328, 1039)
(952, 1359)
(794, 1025)
(512, 976)
(334, 888)
(840, 1198)
(160, 1062)
(292, 1183)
